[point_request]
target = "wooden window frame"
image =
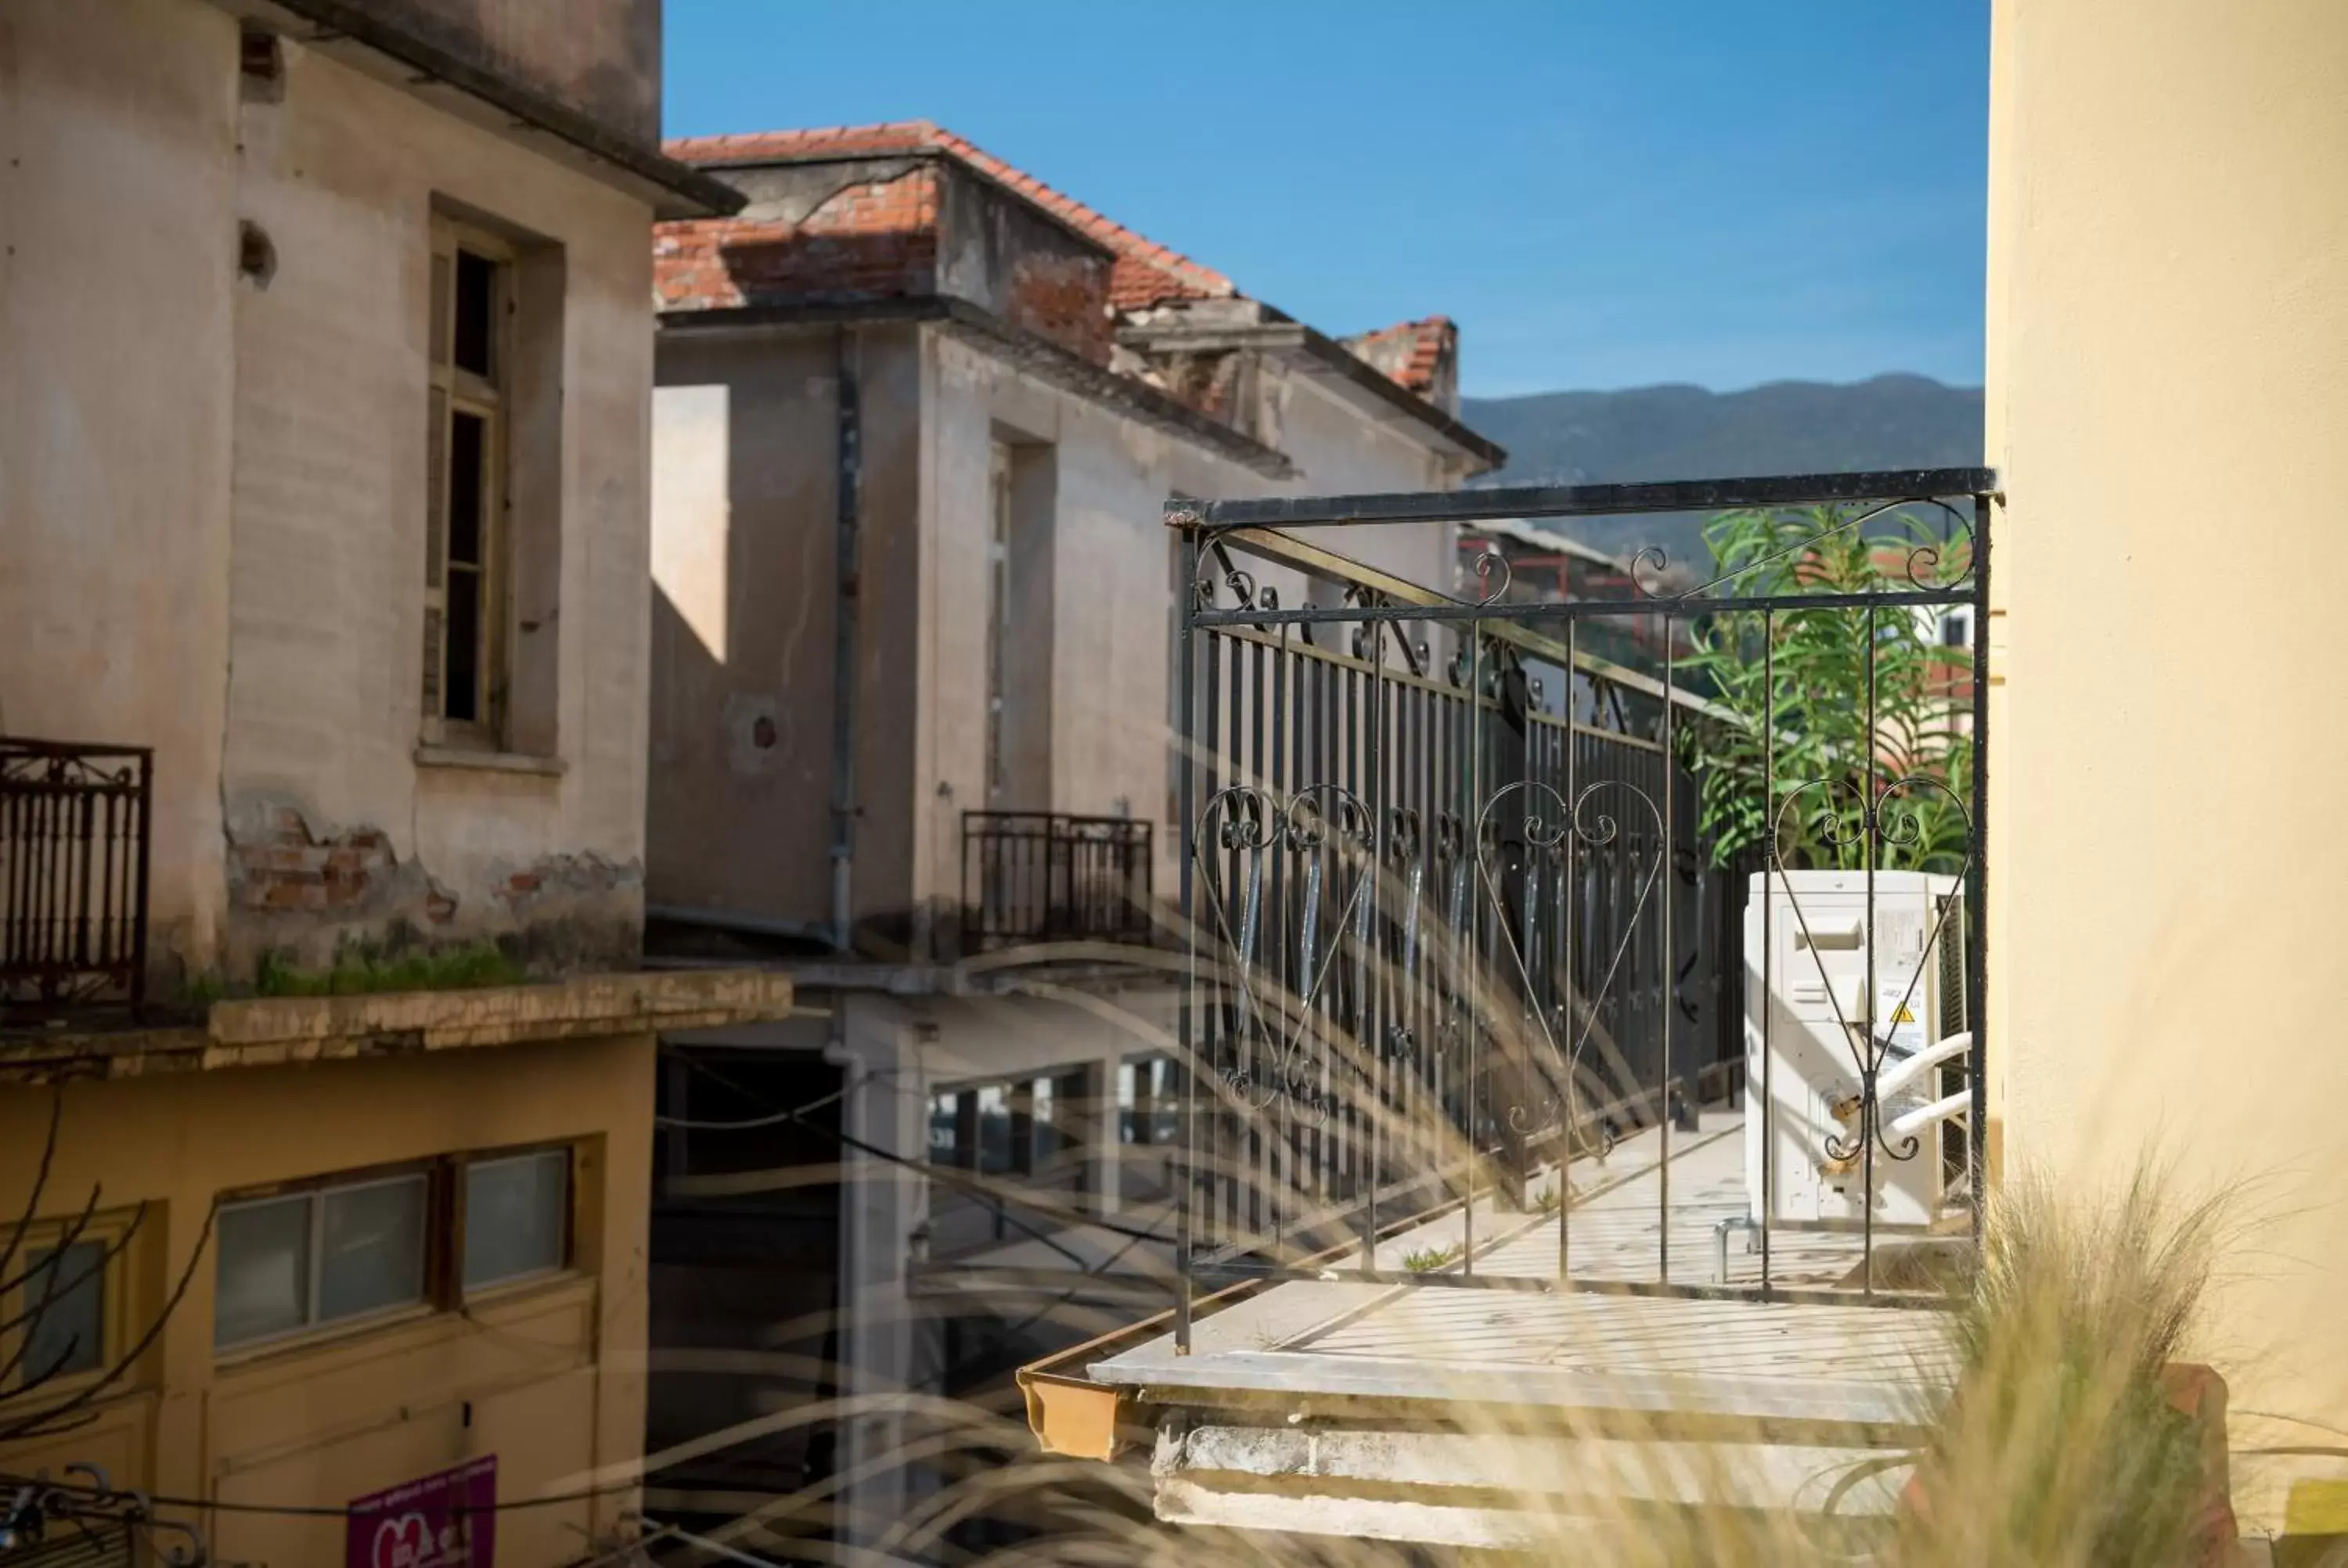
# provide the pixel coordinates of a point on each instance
(454, 391)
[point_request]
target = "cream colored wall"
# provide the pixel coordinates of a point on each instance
(2168, 400)
(328, 566)
(118, 242)
(552, 1372)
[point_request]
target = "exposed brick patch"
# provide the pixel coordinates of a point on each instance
(1146, 271)
(565, 875)
(1063, 299)
(872, 240)
(289, 868)
(879, 237)
(306, 894)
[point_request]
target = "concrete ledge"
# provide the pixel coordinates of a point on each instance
(265, 1032)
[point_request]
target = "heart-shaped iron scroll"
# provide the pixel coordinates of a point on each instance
(1311, 855)
(1869, 1046)
(1547, 848)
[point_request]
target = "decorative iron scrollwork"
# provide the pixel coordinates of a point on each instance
(1327, 835)
(1872, 819)
(1547, 840)
(1920, 555)
(44, 1512)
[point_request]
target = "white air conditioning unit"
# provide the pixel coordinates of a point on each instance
(1819, 1006)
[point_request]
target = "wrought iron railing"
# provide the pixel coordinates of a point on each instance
(72, 875)
(1047, 877)
(1465, 902)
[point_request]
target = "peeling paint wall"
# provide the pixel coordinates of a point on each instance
(326, 574)
(214, 494)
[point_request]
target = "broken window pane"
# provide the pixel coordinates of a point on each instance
(476, 277)
(462, 688)
(467, 444)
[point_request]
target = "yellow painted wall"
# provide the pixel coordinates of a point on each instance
(2167, 398)
(554, 1370)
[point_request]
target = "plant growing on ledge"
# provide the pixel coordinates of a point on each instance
(1804, 675)
(1430, 1259)
(363, 966)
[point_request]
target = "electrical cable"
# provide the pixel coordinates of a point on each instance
(975, 1186)
(308, 1511)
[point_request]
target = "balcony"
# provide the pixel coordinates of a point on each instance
(1035, 877)
(73, 878)
(1576, 1050)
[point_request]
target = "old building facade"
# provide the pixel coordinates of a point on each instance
(918, 417)
(325, 369)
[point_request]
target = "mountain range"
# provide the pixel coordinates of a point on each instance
(1650, 433)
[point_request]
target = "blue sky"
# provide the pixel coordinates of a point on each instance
(1603, 193)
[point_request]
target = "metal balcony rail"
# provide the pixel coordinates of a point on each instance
(1047, 877)
(1464, 902)
(74, 832)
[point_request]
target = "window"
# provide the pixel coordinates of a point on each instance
(1956, 630)
(998, 627)
(465, 635)
(1023, 1127)
(63, 1309)
(289, 1263)
(1148, 1108)
(517, 1217)
(1022, 489)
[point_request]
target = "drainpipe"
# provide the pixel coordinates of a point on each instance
(848, 489)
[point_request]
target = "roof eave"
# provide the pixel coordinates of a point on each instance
(1070, 372)
(1283, 333)
(672, 188)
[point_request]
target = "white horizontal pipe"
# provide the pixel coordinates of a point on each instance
(1896, 1079)
(1931, 1115)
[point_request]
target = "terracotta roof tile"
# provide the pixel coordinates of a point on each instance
(1146, 272)
(1408, 353)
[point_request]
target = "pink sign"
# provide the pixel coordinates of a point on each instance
(445, 1521)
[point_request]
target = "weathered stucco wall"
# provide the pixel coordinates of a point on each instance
(746, 512)
(865, 229)
(746, 432)
(547, 1376)
(117, 372)
(214, 492)
(1113, 584)
(2169, 378)
(327, 572)
(1343, 448)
